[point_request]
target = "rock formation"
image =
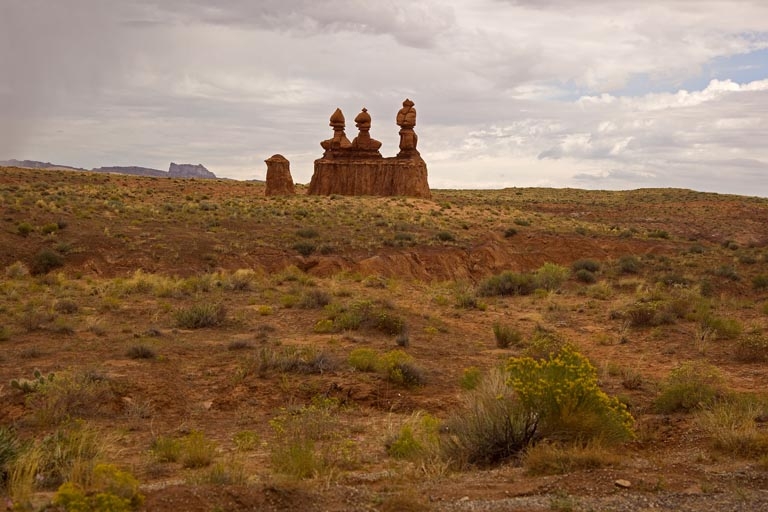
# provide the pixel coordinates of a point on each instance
(279, 180)
(189, 171)
(358, 168)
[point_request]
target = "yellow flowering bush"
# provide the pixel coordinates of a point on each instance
(562, 393)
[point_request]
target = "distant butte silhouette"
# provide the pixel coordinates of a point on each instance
(357, 168)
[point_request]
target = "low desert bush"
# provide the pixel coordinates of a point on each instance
(588, 265)
(564, 394)
(445, 236)
(629, 264)
(141, 352)
(507, 283)
(291, 359)
(304, 248)
(556, 399)
(506, 335)
(551, 276)
(752, 348)
(314, 299)
(417, 439)
(470, 378)
(489, 427)
(691, 386)
(112, 489)
(760, 282)
(16, 270)
(44, 261)
(166, 449)
(363, 359)
(585, 276)
(200, 315)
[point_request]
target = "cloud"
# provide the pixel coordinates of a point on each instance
(558, 93)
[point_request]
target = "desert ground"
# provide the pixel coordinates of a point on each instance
(184, 344)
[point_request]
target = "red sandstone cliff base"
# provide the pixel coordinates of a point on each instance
(374, 177)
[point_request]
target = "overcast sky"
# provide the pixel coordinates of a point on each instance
(599, 94)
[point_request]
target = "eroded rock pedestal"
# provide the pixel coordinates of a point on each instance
(279, 179)
(357, 168)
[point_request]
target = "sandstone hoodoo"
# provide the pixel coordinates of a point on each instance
(357, 168)
(279, 180)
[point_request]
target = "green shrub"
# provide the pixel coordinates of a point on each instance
(45, 261)
(585, 276)
(363, 359)
(551, 276)
(166, 449)
(507, 283)
(308, 233)
(141, 352)
(752, 348)
(304, 248)
(201, 315)
(293, 359)
(563, 393)
(445, 236)
(557, 399)
(658, 233)
(588, 265)
(112, 490)
(690, 386)
(724, 328)
(314, 299)
(24, 228)
(760, 282)
(417, 439)
(506, 335)
(399, 368)
(510, 232)
(629, 264)
(471, 378)
(543, 343)
(47, 229)
(728, 272)
(522, 222)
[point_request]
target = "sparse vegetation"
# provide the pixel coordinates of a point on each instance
(201, 315)
(136, 252)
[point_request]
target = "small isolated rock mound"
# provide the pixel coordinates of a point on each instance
(279, 180)
(189, 171)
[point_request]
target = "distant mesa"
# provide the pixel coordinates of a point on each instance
(357, 168)
(189, 171)
(175, 170)
(34, 164)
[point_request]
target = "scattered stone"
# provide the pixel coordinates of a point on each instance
(624, 484)
(279, 180)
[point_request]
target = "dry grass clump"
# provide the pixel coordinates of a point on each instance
(556, 458)
(201, 315)
(752, 348)
(734, 426)
(290, 359)
(72, 395)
